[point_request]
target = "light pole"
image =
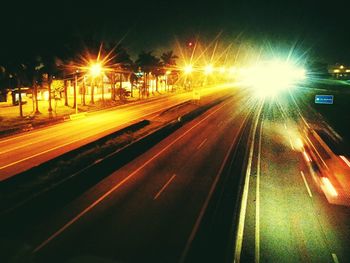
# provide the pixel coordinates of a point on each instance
(95, 71)
(76, 90)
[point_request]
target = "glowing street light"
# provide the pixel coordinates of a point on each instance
(273, 77)
(95, 69)
(188, 69)
(208, 69)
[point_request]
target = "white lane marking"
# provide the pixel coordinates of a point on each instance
(206, 203)
(165, 186)
(115, 187)
(202, 143)
(257, 201)
(335, 258)
(65, 144)
(243, 210)
(306, 184)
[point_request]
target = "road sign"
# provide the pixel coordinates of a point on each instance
(324, 99)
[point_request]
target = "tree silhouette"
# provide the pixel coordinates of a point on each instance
(148, 64)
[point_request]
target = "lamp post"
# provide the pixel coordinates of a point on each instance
(95, 70)
(76, 91)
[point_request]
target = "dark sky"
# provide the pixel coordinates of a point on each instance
(29, 27)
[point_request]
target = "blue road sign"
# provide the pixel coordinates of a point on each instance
(324, 99)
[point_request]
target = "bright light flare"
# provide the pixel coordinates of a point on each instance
(95, 69)
(208, 69)
(329, 187)
(188, 69)
(272, 77)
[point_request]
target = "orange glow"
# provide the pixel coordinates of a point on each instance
(329, 187)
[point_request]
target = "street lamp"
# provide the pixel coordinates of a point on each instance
(188, 69)
(95, 69)
(208, 69)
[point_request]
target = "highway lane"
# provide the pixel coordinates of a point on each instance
(149, 209)
(23, 151)
(288, 219)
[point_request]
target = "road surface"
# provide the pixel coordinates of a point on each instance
(287, 218)
(150, 209)
(23, 151)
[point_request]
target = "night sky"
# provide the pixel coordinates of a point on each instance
(30, 27)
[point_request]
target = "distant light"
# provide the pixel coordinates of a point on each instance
(347, 71)
(336, 71)
(273, 77)
(341, 67)
(168, 72)
(208, 69)
(188, 69)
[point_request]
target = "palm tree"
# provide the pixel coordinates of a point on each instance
(148, 63)
(123, 63)
(169, 62)
(169, 59)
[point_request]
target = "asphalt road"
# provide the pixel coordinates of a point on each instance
(288, 219)
(150, 209)
(23, 151)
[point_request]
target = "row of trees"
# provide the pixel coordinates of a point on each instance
(39, 70)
